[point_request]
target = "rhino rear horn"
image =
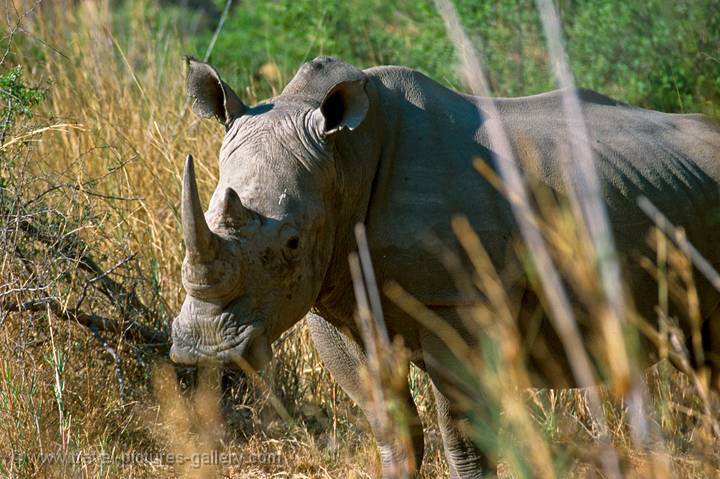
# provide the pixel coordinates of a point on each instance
(233, 211)
(200, 241)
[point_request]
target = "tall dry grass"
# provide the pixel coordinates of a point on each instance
(109, 164)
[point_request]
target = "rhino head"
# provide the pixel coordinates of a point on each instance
(256, 260)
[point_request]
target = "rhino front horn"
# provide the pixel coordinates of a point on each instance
(199, 240)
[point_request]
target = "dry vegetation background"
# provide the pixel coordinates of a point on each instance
(90, 168)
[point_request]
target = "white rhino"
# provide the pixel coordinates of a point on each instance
(393, 149)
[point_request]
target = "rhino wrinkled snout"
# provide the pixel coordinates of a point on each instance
(219, 342)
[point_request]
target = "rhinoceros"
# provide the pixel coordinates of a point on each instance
(392, 149)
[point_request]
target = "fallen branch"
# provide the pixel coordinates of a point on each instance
(111, 288)
(130, 329)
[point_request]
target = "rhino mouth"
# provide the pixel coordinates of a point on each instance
(197, 345)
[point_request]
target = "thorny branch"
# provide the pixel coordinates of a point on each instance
(118, 295)
(31, 222)
(114, 291)
(19, 220)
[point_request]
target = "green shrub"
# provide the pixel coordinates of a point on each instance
(16, 98)
(658, 54)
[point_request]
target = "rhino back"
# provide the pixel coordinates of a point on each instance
(672, 159)
(426, 175)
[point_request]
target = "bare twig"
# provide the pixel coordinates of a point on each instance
(119, 374)
(83, 188)
(29, 289)
(12, 29)
(117, 265)
(91, 281)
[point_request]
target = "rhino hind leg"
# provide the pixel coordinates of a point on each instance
(711, 346)
(709, 362)
(344, 358)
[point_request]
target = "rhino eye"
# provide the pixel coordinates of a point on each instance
(291, 250)
(293, 243)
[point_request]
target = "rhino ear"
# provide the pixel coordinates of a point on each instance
(211, 96)
(344, 107)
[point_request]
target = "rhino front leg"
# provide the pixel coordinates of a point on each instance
(464, 459)
(344, 358)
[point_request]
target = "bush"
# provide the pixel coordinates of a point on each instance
(657, 54)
